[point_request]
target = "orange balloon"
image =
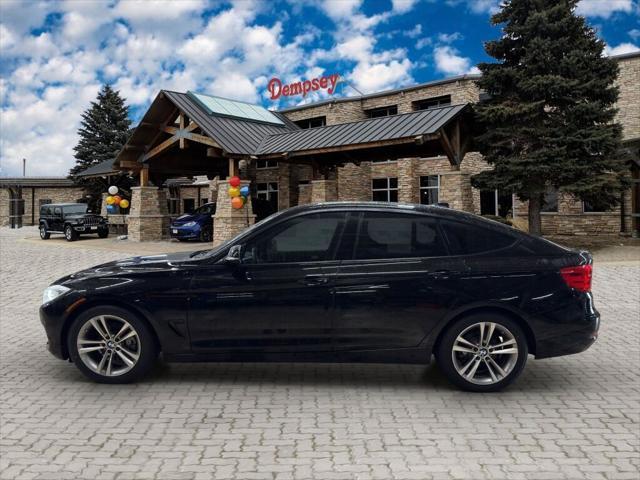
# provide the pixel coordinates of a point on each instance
(236, 202)
(234, 181)
(117, 199)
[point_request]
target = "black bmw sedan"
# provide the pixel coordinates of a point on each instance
(335, 282)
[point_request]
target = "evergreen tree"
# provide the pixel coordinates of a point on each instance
(103, 131)
(549, 121)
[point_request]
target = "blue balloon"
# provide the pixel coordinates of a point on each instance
(111, 209)
(244, 191)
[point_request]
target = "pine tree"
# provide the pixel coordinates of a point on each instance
(549, 121)
(103, 131)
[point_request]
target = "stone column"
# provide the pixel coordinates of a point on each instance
(227, 221)
(324, 191)
(354, 182)
(103, 205)
(408, 181)
(304, 193)
(148, 218)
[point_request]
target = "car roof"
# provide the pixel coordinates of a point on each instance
(61, 204)
(435, 210)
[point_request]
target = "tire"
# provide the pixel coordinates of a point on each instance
(205, 235)
(494, 371)
(44, 233)
(103, 232)
(70, 234)
(140, 349)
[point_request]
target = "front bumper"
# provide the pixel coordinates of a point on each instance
(184, 233)
(90, 228)
(54, 316)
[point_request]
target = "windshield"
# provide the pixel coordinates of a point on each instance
(75, 209)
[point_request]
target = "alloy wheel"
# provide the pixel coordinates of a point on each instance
(485, 353)
(108, 345)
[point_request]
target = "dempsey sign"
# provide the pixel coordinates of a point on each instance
(276, 89)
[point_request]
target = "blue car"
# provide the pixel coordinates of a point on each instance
(194, 226)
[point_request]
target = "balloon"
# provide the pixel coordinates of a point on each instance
(234, 192)
(236, 202)
(124, 203)
(113, 189)
(117, 199)
(244, 191)
(111, 209)
(234, 181)
(110, 200)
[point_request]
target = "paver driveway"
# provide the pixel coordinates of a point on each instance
(573, 417)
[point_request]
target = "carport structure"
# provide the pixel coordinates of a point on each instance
(188, 134)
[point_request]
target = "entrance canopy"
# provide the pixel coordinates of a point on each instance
(186, 134)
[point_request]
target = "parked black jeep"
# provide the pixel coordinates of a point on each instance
(70, 219)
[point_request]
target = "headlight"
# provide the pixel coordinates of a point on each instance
(189, 224)
(53, 292)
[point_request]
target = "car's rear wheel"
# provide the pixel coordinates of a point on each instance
(483, 352)
(44, 233)
(111, 345)
(70, 234)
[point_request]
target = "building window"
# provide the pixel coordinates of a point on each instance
(429, 189)
(495, 202)
(269, 192)
(203, 201)
(594, 207)
(188, 205)
(262, 164)
(382, 111)
(434, 102)
(312, 122)
(384, 189)
(550, 201)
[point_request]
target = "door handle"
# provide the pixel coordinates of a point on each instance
(311, 281)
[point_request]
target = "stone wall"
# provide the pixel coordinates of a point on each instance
(227, 221)
(148, 216)
(629, 99)
(33, 196)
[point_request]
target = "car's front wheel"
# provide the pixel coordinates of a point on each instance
(205, 234)
(483, 352)
(44, 233)
(70, 234)
(111, 345)
(103, 232)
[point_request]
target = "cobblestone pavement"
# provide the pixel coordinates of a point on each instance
(567, 418)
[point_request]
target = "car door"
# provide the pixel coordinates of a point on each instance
(56, 220)
(397, 286)
(279, 298)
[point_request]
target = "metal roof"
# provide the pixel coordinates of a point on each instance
(234, 135)
(100, 169)
(408, 125)
(36, 182)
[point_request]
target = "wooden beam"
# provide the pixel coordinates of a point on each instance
(129, 164)
(196, 137)
(183, 143)
(144, 176)
(160, 148)
(448, 147)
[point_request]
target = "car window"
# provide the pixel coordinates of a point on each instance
(391, 235)
(57, 211)
(207, 209)
(75, 209)
(466, 238)
(306, 238)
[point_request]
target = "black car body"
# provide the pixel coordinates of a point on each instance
(71, 220)
(346, 282)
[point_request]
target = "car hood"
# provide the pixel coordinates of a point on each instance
(131, 266)
(189, 217)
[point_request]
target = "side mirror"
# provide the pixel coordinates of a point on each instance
(234, 256)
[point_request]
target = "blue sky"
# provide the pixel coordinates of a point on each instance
(56, 54)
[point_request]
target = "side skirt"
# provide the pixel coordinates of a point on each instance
(416, 356)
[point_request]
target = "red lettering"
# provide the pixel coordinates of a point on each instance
(323, 82)
(274, 87)
(315, 84)
(285, 91)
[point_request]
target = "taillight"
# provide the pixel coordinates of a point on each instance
(578, 278)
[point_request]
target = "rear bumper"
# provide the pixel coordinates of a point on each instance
(574, 341)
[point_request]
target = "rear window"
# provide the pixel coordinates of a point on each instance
(384, 235)
(466, 239)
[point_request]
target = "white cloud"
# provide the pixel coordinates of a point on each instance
(634, 33)
(603, 8)
(620, 49)
(449, 37)
(145, 10)
(449, 61)
(368, 77)
(415, 31)
(403, 6)
(340, 9)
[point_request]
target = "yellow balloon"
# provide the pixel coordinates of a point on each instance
(124, 203)
(234, 192)
(110, 200)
